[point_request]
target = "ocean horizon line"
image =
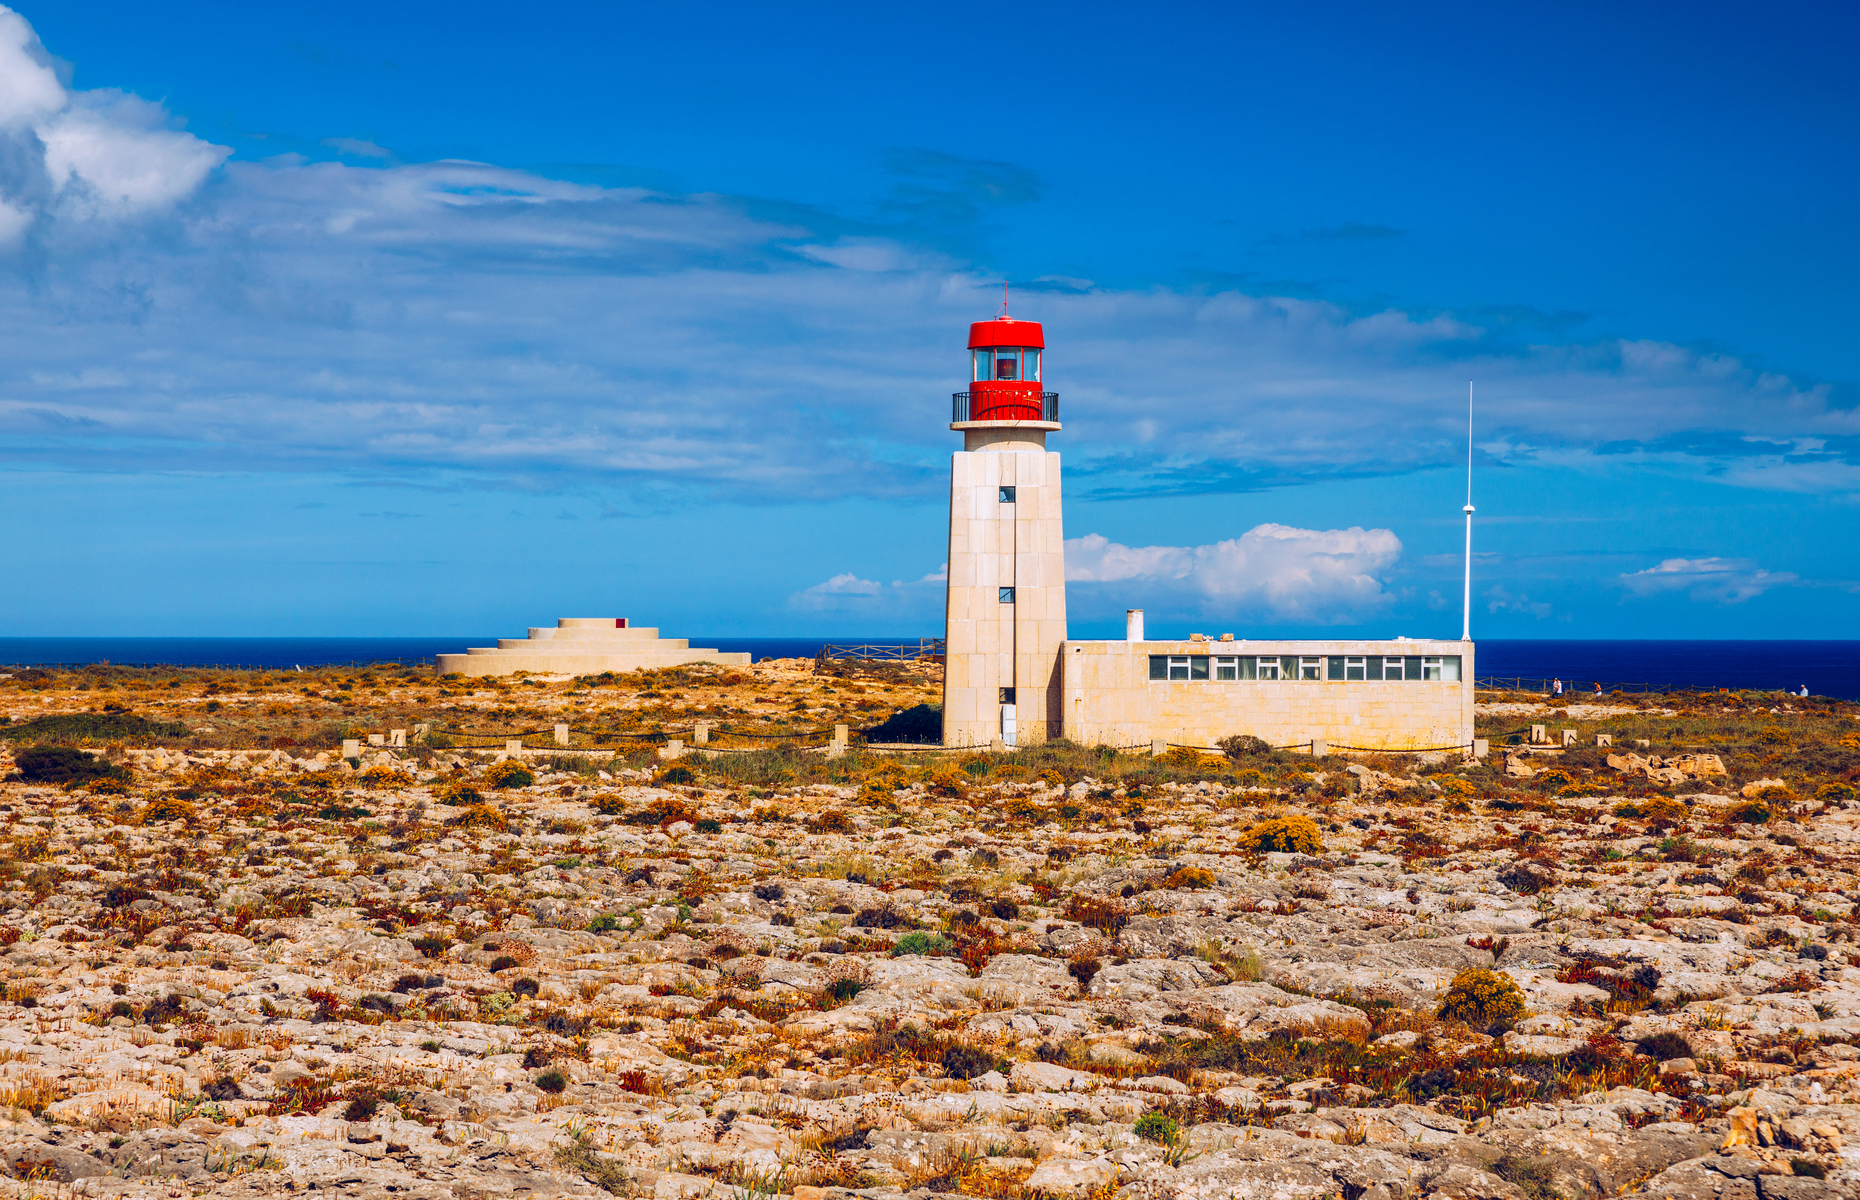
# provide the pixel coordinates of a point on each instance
(1825, 667)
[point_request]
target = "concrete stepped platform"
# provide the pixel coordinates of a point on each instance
(583, 646)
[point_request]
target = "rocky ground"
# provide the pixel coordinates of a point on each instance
(433, 971)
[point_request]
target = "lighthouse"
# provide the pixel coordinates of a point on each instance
(1005, 616)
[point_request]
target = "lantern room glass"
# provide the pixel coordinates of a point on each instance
(1007, 365)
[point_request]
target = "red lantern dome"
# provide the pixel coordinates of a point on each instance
(1004, 356)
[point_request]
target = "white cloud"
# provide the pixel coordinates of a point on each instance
(1725, 580)
(14, 221)
(469, 320)
(1278, 571)
(1315, 576)
(848, 595)
(844, 584)
(29, 87)
(1499, 599)
(78, 156)
(116, 146)
(358, 148)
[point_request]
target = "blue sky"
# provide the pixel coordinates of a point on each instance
(422, 319)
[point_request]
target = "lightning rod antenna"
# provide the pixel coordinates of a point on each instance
(1466, 596)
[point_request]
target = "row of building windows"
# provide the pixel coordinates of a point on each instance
(1441, 668)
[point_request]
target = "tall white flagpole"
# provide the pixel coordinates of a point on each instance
(1466, 597)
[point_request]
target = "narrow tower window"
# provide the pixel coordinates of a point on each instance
(1007, 595)
(1007, 495)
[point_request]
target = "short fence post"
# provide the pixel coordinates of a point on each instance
(1158, 747)
(377, 739)
(397, 737)
(1481, 747)
(1540, 735)
(513, 748)
(700, 734)
(674, 748)
(837, 747)
(351, 747)
(1604, 739)
(1569, 737)
(1319, 747)
(561, 734)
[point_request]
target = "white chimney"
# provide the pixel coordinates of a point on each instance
(1133, 624)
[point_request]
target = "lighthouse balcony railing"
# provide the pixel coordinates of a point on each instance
(962, 402)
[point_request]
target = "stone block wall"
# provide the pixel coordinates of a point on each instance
(1108, 698)
(993, 545)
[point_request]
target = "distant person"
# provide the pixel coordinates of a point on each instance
(1598, 689)
(1804, 690)
(1556, 688)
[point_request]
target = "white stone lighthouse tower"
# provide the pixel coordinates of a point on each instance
(1006, 615)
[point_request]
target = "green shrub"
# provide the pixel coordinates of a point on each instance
(966, 1062)
(480, 816)
(1529, 1175)
(1665, 1046)
(1478, 997)
(920, 942)
(1835, 793)
(603, 923)
(923, 723)
(64, 764)
(1750, 812)
(1291, 835)
(96, 727)
(1243, 745)
(165, 808)
(455, 791)
(433, 945)
(509, 774)
(552, 1081)
(1664, 808)
(1158, 1128)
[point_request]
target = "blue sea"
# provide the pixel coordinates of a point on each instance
(1825, 668)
